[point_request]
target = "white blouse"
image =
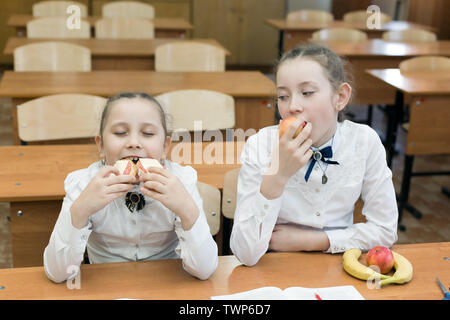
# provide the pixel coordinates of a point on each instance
(362, 172)
(114, 234)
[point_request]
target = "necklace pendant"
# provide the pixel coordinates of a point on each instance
(134, 201)
(324, 179)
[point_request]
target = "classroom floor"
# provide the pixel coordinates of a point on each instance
(425, 192)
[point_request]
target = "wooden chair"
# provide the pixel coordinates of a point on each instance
(411, 35)
(211, 205)
(229, 193)
(52, 56)
(427, 130)
(124, 28)
(56, 8)
(345, 34)
(56, 27)
(425, 63)
(310, 16)
(60, 118)
(214, 109)
(189, 56)
(360, 16)
(130, 9)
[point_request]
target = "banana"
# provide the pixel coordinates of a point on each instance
(357, 269)
(403, 270)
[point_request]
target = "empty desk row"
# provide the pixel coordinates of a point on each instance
(252, 91)
(117, 54)
(163, 27)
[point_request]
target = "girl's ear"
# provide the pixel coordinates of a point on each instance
(343, 95)
(99, 143)
(167, 143)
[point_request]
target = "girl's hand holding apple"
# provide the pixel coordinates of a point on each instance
(288, 156)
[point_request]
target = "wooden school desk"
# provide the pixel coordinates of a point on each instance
(429, 93)
(164, 27)
(253, 92)
(166, 279)
(293, 32)
(32, 180)
(113, 54)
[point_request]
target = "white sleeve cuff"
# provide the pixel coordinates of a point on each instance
(340, 240)
(78, 238)
(260, 208)
(195, 236)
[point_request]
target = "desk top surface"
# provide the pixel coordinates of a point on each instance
(107, 83)
(283, 24)
(380, 48)
(415, 82)
(34, 173)
(165, 279)
(20, 20)
(110, 47)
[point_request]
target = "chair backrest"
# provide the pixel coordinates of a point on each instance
(56, 8)
(52, 56)
(229, 193)
(56, 27)
(60, 117)
(310, 16)
(189, 56)
(214, 109)
(409, 35)
(211, 205)
(425, 63)
(345, 34)
(130, 9)
(360, 16)
(124, 28)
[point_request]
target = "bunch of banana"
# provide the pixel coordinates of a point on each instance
(403, 268)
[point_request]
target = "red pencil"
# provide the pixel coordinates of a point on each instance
(317, 296)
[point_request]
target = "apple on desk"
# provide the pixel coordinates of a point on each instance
(381, 257)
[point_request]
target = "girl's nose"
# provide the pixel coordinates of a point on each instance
(295, 107)
(133, 142)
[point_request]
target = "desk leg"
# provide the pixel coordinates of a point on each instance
(31, 226)
(391, 134)
(280, 44)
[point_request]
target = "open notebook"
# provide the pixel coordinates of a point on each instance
(295, 293)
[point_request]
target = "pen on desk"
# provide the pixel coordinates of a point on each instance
(317, 296)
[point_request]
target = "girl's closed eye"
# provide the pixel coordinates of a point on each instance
(148, 133)
(120, 133)
(307, 93)
(283, 98)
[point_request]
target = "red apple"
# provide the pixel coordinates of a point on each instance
(381, 257)
(285, 123)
